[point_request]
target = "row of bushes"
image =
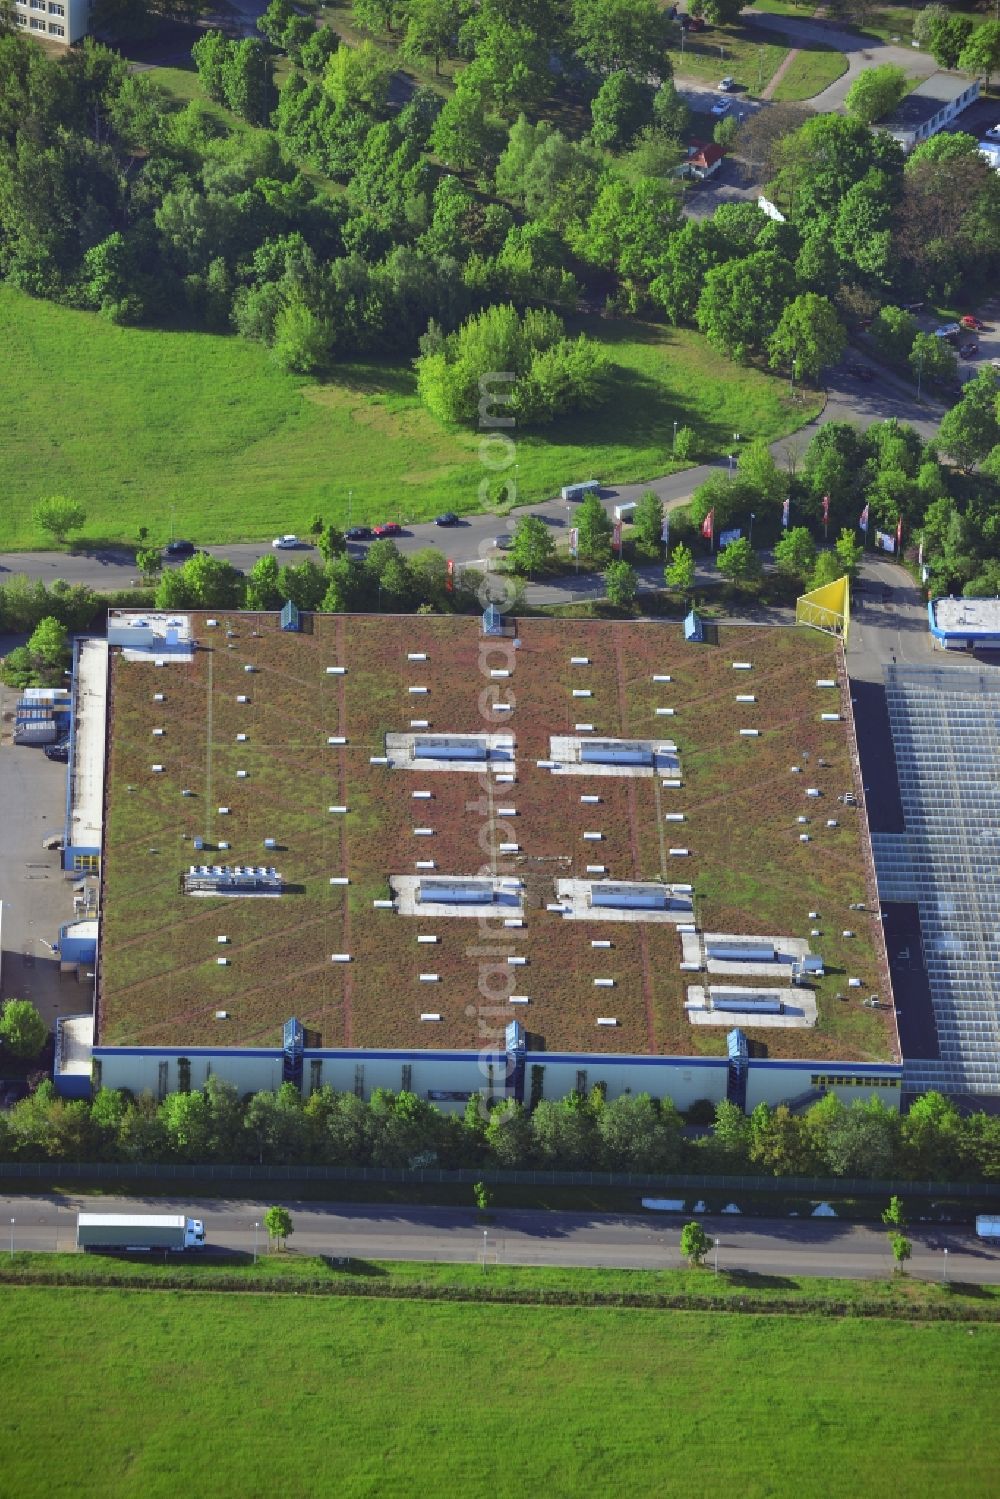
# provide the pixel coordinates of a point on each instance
(632, 1133)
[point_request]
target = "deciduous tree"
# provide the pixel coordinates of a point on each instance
(875, 92)
(620, 584)
(279, 1225)
(22, 1030)
(695, 1243)
(58, 516)
(531, 546)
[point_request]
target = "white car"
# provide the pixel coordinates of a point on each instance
(993, 134)
(502, 543)
(285, 543)
(722, 106)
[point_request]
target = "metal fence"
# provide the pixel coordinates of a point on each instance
(791, 1186)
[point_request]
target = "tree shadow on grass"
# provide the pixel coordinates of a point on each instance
(348, 1265)
(752, 1280)
(376, 378)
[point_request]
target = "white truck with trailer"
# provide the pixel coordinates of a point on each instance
(139, 1232)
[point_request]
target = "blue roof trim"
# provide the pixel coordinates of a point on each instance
(818, 1064)
(574, 1058)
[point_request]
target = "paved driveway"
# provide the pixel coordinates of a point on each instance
(861, 52)
(36, 895)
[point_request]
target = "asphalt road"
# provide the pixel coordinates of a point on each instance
(524, 1237)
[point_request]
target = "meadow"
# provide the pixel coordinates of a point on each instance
(200, 435)
(115, 1393)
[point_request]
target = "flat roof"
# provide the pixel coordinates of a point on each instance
(295, 751)
(926, 100)
(74, 1044)
(86, 773)
(966, 618)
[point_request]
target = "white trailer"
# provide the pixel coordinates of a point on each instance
(625, 513)
(987, 1227)
(140, 1232)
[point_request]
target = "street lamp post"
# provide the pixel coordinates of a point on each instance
(485, 1238)
(750, 528)
(12, 1238)
(350, 497)
(920, 371)
(945, 1275)
(674, 447)
(255, 1229)
(732, 458)
(716, 1256)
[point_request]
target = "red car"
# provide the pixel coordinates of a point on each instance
(389, 528)
(973, 322)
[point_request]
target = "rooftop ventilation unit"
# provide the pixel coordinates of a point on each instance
(454, 893)
(625, 897)
(607, 752)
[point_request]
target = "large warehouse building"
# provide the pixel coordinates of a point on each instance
(454, 855)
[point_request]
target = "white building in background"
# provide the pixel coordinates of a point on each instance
(931, 106)
(60, 21)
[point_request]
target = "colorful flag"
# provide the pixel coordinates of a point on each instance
(665, 529)
(920, 553)
(708, 525)
(784, 514)
(449, 575)
(616, 536)
(863, 521)
(826, 509)
(574, 541)
(899, 535)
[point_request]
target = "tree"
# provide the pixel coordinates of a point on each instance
(849, 552)
(482, 1195)
(149, 561)
(970, 429)
(430, 27)
(302, 336)
(679, 571)
(948, 37)
(926, 20)
(278, 1222)
(685, 444)
(810, 335)
(648, 521)
(210, 53)
(638, 1133)
(531, 546)
(58, 516)
(742, 302)
(875, 93)
(621, 584)
(357, 78)
(893, 1215)
(671, 112)
(757, 467)
(795, 554)
(49, 644)
(695, 1243)
(508, 1134)
(893, 332)
(739, 562)
(594, 526)
(248, 80)
(564, 1132)
(901, 1251)
(263, 590)
(981, 53)
(932, 359)
(620, 109)
(22, 1030)
(464, 135)
(629, 35)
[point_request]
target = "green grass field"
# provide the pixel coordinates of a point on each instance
(204, 435)
(809, 73)
(119, 1393)
(894, 1296)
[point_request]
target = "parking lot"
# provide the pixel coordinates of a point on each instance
(37, 897)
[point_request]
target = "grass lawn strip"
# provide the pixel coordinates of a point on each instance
(114, 1393)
